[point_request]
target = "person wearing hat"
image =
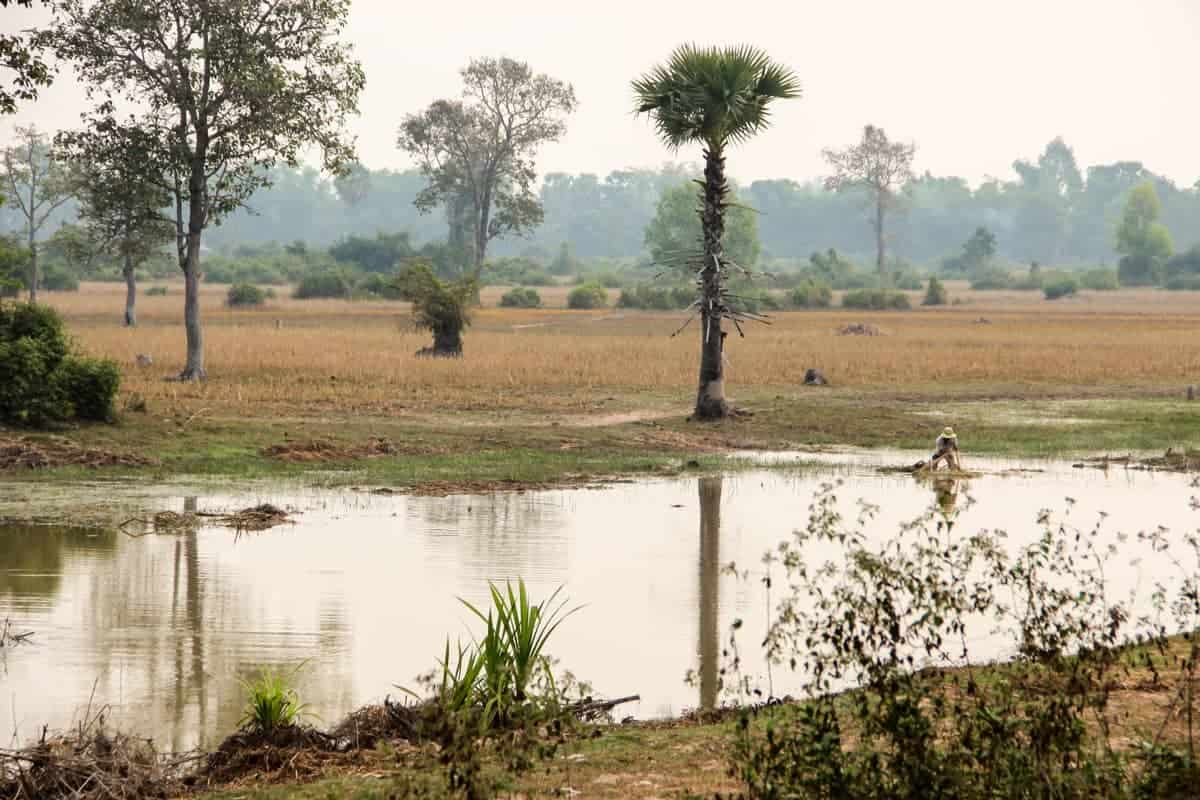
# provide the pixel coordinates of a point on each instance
(945, 448)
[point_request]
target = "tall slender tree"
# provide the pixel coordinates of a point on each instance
(232, 86)
(478, 152)
(37, 184)
(881, 168)
(714, 97)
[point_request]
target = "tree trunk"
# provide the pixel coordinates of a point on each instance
(446, 344)
(879, 239)
(33, 269)
(193, 369)
(710, 398)
(130, 293)
(710, 586)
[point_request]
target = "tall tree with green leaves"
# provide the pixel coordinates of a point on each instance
(36, 183)
(714, 97)
(879, 167)
(119, 175)
(21, 64)
(1143, 242)
(675, 229)
(478, 153)
(233, 87)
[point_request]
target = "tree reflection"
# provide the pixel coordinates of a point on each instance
(710, 588)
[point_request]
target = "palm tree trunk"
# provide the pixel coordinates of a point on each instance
(710, 399)
(710, 587)
(130, 292)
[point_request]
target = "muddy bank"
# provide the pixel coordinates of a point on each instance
(1170, 461)
(26, 453)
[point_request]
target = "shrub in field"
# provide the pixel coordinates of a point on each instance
(587, 296)
(245, 295)
(1184, 283)
(322, 284)
(991, 280)
(657, 298)
(1100, 280)
(379, 286)
(876, 300)
(41, 380)
(57, 279)
(438, 306)
(754, 300)
(156, 291)
(908, 282)
(521, 298)
(811, 294)
(935, 293)
(1062, 286)
(896, 704)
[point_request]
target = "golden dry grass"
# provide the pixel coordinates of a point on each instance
(313, 357)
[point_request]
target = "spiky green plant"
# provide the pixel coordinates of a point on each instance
(271, 701)
(512, 649)
(713, 97)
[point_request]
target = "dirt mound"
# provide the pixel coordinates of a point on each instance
(24, 452)
(1170, 461)
(386, 722)
(291, 753)
(325, 450)
(257, 518)
(89, 764)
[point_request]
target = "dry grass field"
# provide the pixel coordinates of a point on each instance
(317, 357)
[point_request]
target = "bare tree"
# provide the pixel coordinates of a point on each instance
(878, 166)
(38, 186)
(232, 86)
(478, 152)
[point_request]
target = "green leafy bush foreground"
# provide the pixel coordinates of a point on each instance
(41, 379)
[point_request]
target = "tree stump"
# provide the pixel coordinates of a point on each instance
(814, 377)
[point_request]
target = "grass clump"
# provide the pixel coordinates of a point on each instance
(272, 702)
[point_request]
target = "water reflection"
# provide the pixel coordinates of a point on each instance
(365, 587)
(710, 588)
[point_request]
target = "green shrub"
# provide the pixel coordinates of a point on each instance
(521, 298)
(90, 386)
(992, 280)
(1063, 286)
(587, 296)
(243, 295)
(657, 298)
(811, 294)
(1187, 283)
(609, 280)
(156, 291)
(322, 284)
(876, 300)
(935, 293)
(908, 282)
(1100, 280)
(41, 381)
(56, 279)
(380, 286)
(754, 301)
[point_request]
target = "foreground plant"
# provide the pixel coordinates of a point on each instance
(272, 702)
(897, 706)
(714, 97)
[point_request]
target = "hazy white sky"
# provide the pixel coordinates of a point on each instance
(975, 83)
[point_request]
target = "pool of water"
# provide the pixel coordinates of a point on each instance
(364, 589)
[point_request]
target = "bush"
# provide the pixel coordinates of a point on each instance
(609, 280)
(754, 301)
(41, 381)
(243, 295)
(90, 386)
(657, 298)
(1100, 280)
(992, 280)
(156, 291)
(521, 298)
(908, 282)
(1186, 283)
(380, 286)
(587, 296)
(322, 284)
(935, 293)
(811, 294)
(57, 279)
(1064, 286)
(876, 300)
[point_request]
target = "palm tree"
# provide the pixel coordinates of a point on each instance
(714, 97)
